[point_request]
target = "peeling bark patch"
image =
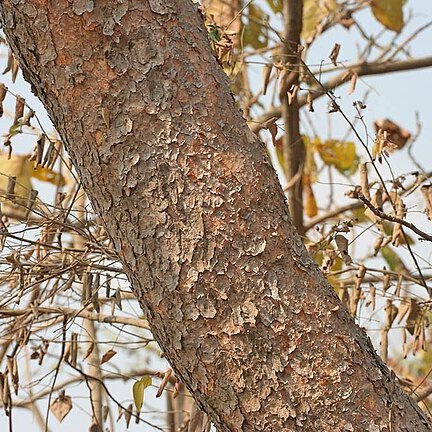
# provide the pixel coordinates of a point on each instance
(160, 6)
(81, 6)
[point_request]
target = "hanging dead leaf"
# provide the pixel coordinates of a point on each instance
(353, 82)
(372, 295)
(385, 281)
(61, 406)
(3, 92)
(19, 108)
(310, 101)
(384, 344)
(12, 65)
(268, 67)
(108, 356)
(128, 415)
(89, 350)
(427, 196)
(342, 245)
(165, 381)
(391, 313)
(413, 316)
(271, 126)
(364, 181)
(396, 135)
(94, 427)
(335, 53)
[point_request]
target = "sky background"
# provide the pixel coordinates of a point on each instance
(397, 96)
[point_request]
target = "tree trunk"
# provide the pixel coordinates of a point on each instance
(294, 152)
(199, 220)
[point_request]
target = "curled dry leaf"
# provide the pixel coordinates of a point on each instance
(164, 382)
(335, 53)
(384, 344)
(427, 196)
(19, 108)
(128, 415)
(108, 356)
(342, 245)
(3, 92)
(267, 73)
(391, 313)
(364, 181)
(271, 126)
(353, 82)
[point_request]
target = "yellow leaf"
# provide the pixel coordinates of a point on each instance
(311, 207)
(314, 11)
(138, 390)
(340, 154)
(19, 166)
(310, 168)
(389, 13)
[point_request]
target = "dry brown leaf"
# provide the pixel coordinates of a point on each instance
(384, 344)
(268, 67)
(353, 82)
(427, 196)
(128, 415)
(335, 53)
(372, 295)
(310, 102)
(342, 245)
(89, 350)
(108, 356)
(413, 316)
(164, 382)
(3, 92)
(394, 133)
(61, 406)
(391, 313)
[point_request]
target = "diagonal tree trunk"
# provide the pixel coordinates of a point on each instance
(199, 220)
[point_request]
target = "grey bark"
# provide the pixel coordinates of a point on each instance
(199, 220)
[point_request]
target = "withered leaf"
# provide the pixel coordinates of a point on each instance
(108, 356)
(335, 53)
(61, 407)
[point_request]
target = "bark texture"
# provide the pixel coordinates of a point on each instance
(199, 219)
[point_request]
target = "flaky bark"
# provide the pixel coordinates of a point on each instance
(199, 220)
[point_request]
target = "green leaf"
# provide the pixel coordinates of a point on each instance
(138, 390)
(389, 13)
(214, 32)
(392, 259)
(256, 30)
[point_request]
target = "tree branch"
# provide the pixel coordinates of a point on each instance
(362, 69)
